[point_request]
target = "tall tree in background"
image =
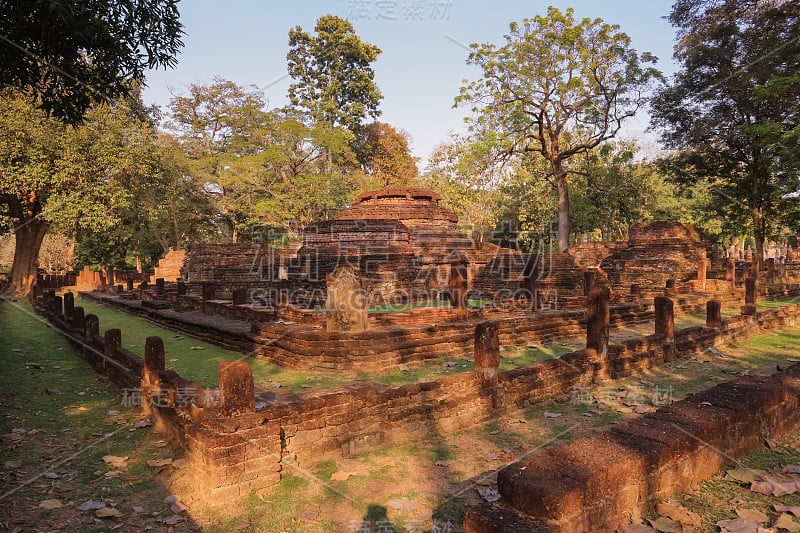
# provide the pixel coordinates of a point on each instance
(733, 110)
(386, 157)
(68, 54)
(558, 87)
(334, 80)
(217, 123)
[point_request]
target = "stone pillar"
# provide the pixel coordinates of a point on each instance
(236, 388)
(110, 277)
(458, 288)
(749, 307)
(112, 341)
(69, 304)
(713, 314)
(730, 272)
(346, 301)
(770, 264)
(589, 277)
(181, 288)
(597, 319)
(531, 274)
(154, 360)
(636, 292)
(129, 284)
(670, 289)
(92, 324)
(487, 350)
(239, 296)
(702, 269)
(208, 291)
(665, 317)
(78, 320)
(58, 307)
(160, 291)
(119, 289)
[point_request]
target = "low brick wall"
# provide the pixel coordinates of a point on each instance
(231, 452)
(597, 483)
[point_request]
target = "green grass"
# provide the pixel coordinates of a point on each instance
(70, 419)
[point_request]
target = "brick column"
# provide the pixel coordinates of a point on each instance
(154, 359)
(208, 291)
(112, 341)
(702, 269)
(160, 291)
(78, 320)
(92, 324)
(589, 277)
(69, 304)
(58, 306)
(670, 287)
(597, 319)
(236, 388)
(181, 288)
(458, 288)
(749, 307)
(713, 314)
(665, 317)
(730, 272)
(129, 284)
(487, 350)
(239, 296)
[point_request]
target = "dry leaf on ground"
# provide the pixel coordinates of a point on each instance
(785, 521)
(666, 525)
(50, 504)
(752, 514)
(680, 514)
(738, 526)
(108, 512)
(115, 461)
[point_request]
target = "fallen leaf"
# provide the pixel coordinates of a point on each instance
(178, 508)
(794, 509)
(159, 462)
(51, 504)
(403, 504)
(91, 505)
(113, 473)
(744, 475)
(785, 521)
(51, 475)
(736, 500)
(13, 464)
(680, 514)
(143, 423)
(792, 469)
(443, 463)
(548, 414)
(738, 526)
(752, 514)
(341, 475)
(635, 528)
(197, 348)
(667, 525)
(115, 461)
(309, 516)
(108, 512)
(179, 463)
(172, 520)
(138, 509)
(489, 494)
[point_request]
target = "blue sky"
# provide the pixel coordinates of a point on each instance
(423, 62)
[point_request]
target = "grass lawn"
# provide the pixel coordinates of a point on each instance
(60, 419)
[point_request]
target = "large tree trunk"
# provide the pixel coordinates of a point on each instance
(29, 237)
(564, 223)
(759, 237)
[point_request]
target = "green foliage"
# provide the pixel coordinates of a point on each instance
(558, 87)
(462, 172)
(732, 111)
(70, 54)
(385, 156)
(334, 80)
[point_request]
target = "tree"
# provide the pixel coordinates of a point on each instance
(216, 124)
(733, 110)
(462, 172)
(385, 155)
(334, 80)
(558, 87)
(68, 54)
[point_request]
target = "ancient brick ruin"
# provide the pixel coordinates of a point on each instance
(324, 303)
